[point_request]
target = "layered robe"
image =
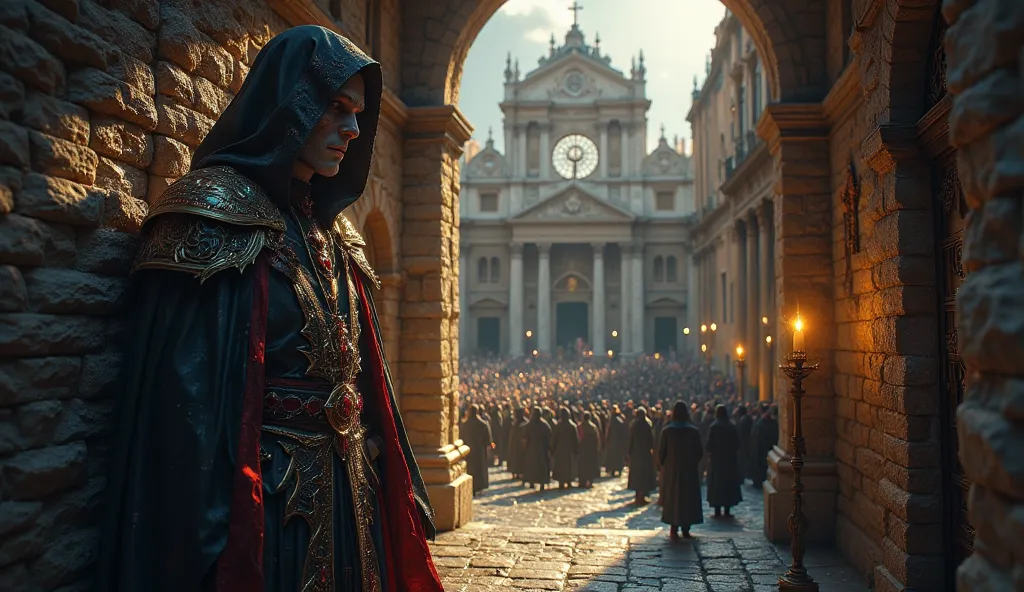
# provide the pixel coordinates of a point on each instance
(679, 454)
(590, 452)
(723, 447)
(477, 434)
(642, 476)
(565, 449)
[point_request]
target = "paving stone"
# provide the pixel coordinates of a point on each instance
(594, 540)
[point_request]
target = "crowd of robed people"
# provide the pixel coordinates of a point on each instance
(674, 423)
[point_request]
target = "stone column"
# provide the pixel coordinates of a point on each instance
(626, 163)
(515, 300)
(544, 297)
(636, 281)
(766, 368)
(545, 151)
(755, 342)
(742, 312)
(521, 164)
(692, 306)
(797, 135)
(625, 339)
(598, 338)
(464, 324)
(428, 361)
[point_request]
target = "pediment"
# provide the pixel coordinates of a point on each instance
(573, 78)
(666, 301)
(573, 205)
(664, 161)
(487, 302)
(488, 164)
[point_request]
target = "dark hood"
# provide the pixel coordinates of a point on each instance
(286, 92)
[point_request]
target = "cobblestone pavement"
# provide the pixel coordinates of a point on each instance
(597, 541)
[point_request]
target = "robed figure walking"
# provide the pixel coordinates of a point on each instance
(476, 433)
(616, 442)
(565, 450)
(516, 443)
(258, 446)
(723, 448)
(590, 451)
(679, 454)
(640, 451)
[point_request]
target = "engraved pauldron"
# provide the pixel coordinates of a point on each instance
(198, 246)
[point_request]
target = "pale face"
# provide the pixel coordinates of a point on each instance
(327, 142)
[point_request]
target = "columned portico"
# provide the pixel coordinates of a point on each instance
(765, 374)
(544, 298)
(625, 337)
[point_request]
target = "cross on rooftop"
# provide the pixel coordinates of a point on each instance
(575, 8)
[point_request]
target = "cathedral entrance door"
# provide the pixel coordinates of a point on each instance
(572, 324)
(488, 335)
(664, 334)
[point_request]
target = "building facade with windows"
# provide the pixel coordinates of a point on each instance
(573, 231)
(733, 239)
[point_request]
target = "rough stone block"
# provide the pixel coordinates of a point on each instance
(124, 212)
(68, 291)
(209, 99)
(913, 508)
(995, 101)
(14, 15)
(13, 294)
(990, 449)
(992, 164)
(101, 375)
(83, 420)
(59, 200)
(13, 144)
(171, 158)
(33, 379)
(22, 240)
(105, 94)
(36, 421)
(61, 158)
(30, 63)
(993, 233)
(115, 176)
(178, 41)
(173, 82)
(989, 319)
(60, 244)
(182, 123)
(68, 42)
(985, 37)
(121, 141)
(32, 334)
(910, 370)
(156, 187)
(36, 473)
(57, 118)
(976, 574)
(133, 72)
(119, 30)
(12, 97)
(67, 558)
(105, 251)
(18, 516)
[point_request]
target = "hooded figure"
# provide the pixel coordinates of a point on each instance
(259, 446)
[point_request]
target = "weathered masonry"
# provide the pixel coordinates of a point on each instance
(902, 116)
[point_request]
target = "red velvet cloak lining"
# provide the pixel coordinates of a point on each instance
(407, 560)
(240, 566)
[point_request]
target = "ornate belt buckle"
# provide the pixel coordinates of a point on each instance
(343, 407)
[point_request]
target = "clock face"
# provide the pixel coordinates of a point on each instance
(575, 156)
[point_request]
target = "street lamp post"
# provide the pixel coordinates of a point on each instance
(741, 363)
(797, 369)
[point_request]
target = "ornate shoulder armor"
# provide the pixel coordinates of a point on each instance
(209, 220)
(353, 243)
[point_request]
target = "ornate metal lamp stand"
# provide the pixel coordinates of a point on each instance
(797, 579)
(741, 364)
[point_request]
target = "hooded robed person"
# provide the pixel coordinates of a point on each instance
(477, 434)
(679, 454)
(640, 450)
(723, 447)
(565, 449)
(616, 440)
(590, 451)
(259, 446)
(537, 454)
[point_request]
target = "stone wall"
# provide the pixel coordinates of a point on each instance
(101, 105)
(985, 69)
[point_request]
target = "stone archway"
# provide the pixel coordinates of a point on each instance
(438, 35)
(381, 251)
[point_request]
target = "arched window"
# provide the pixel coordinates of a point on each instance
(615, 149)
(481, 270)
(495, 270)
(659, 269)
(671, 270)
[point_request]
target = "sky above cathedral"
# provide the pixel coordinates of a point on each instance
(675, 35)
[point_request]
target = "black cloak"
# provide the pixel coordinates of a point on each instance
(176, 440)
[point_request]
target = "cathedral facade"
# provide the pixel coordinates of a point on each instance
(574, 233)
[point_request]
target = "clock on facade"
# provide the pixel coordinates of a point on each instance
(575, 156)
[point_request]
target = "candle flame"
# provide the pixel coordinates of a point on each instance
(739, 350)
(799, 324)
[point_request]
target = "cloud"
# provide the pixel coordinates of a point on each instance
(536, 18)
(538, 35)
